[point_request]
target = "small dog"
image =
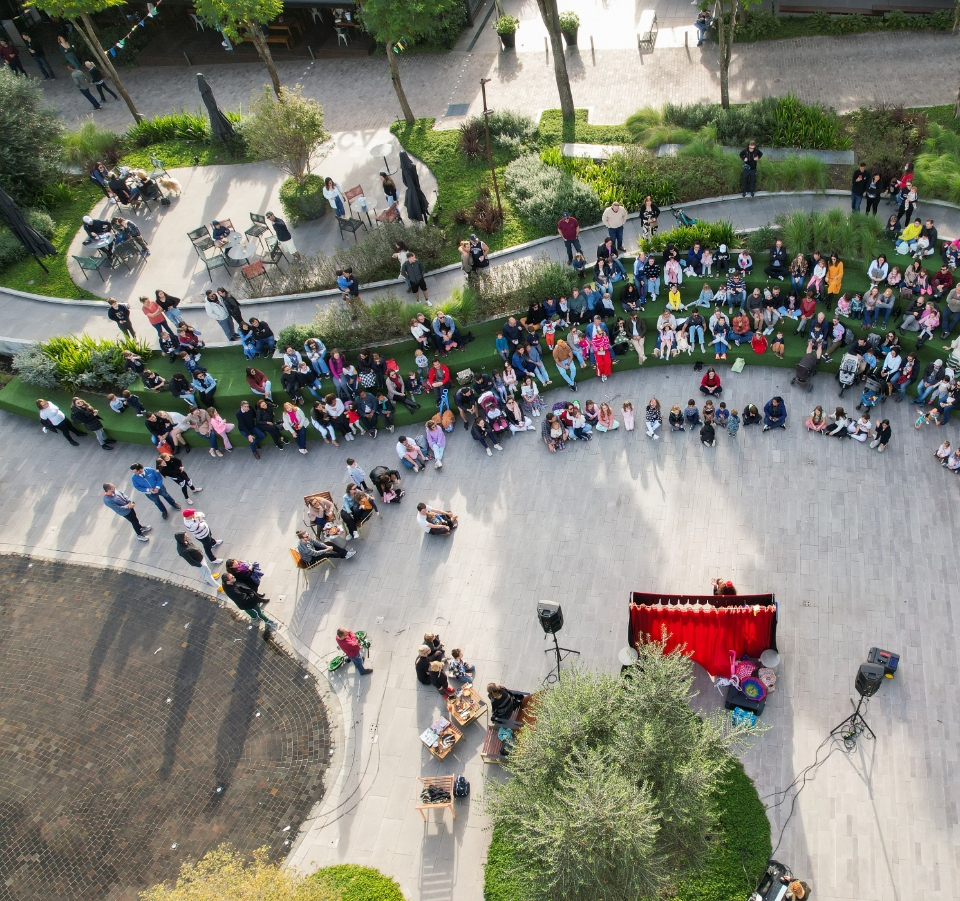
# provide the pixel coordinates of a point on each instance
(683, 345)
(170, 184)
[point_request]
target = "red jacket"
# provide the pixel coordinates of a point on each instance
(759, 343)
(808, 307)
(349, 644)
(708, 382)
(433, 382)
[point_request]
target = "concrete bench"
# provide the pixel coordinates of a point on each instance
(647, 30)
(596, 152)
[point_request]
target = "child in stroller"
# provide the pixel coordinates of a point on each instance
(490, 404)
(872, 392)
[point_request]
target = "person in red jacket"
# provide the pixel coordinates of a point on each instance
(710, 383)
(808, 309)
(348, 643)
(759, 343)
(942, 281)
(438, 378)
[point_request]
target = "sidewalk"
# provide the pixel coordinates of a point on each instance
(29, 319)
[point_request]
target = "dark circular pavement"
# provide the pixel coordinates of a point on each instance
(141, 726)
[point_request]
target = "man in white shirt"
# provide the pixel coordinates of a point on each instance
(435, 522)
(614, 217)
(196, 524)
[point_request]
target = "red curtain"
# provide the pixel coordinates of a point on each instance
(709, 633)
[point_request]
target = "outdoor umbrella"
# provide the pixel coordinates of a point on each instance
(219, 124)
(34, 242)
(415, 201)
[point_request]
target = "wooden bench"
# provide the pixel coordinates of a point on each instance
(526, 719)
(444, 782)
(647, 30)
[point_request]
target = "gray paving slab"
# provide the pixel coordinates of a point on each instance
(858, 548)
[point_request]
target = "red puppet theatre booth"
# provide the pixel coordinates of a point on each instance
(710, 626)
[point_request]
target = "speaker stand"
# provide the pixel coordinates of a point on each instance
(561, 655)
(853, 727)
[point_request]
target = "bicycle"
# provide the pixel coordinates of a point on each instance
(341, 659)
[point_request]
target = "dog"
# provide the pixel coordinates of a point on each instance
(170, 184)
(683, 345)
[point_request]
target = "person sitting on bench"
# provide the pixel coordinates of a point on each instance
(504, 702)
(311, 550)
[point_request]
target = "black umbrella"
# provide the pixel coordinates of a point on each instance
(220, 125)
(29, 237)
(414, 200)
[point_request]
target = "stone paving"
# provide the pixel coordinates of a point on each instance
(857, 546)
(143, 730)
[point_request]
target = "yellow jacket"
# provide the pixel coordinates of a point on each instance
(910, 232)
(673, 299)
(834, 278)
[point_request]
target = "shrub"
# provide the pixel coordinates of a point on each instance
(11, 250)
(852, 236)
(761, 240)
(615, 791)
(58, 194)
(569, 21)
(543, 193)
(473, 139)
(507, 24)
(513, 131)
(303, 200)
(806, 125)
(795, 173)
(79, 362)
(91, 144)
(512, 287)
(483, 215)
(709, 234)
(30, 149)
(759, 25)
(287, 131)
(180, 125)
(936, 171)
(40, 221)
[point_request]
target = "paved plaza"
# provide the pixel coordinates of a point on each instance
(141, 725)
(857, 546)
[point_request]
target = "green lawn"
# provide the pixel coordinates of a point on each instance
(227, 365)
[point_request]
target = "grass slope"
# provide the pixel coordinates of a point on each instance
(228, 365)
(740, 848)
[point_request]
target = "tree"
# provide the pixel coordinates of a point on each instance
(614, 789)
(551, 18)
(243, 18)
(395, 22)
(30, 150)
(286, 130)
(79, 13)
(726, 13)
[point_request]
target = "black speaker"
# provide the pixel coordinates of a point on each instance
(869, 679)
(551, 617)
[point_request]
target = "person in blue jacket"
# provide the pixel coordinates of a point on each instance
(774, 414)
(150, 483)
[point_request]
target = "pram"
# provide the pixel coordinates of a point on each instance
(490, 404)
(682, 218)
(874, 390)
(848, 371)
(806, 370)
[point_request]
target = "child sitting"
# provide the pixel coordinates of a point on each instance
(706, 262)
(666, 347)
(708, 411)
(708, 434)
(843, 305)
(777, 347)
(459, 668)
(691, 415)
(676, 419)
(942, 454)
(413, 385)
(502, 346)
(953, 463)
(723, 415)
(817, 421)
(628, 415)
(673, 299)
(733, 424)
(579, 264)
(751, 415)
(722, 259)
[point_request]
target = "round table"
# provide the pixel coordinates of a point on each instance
(102, 242)
(236, 249)
(383, 150)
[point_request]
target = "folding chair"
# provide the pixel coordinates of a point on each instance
(259, 227)
(201, 239)
(216, 261)
(274, 254)
(351, 225)
(123, 253)
(253, 270)
(92, 264)
(158, 167)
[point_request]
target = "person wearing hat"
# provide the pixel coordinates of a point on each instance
(932, 376)
(479, 253)
(284, 236)
(569, 229)
(425, 656)
(196, 524)
(94, 227)
(721, 259)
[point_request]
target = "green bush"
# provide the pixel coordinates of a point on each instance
(126, 56)
(512, 287)
(40, 221)
(884, 136)
(807, 125)
(512, 131)
(795, 173)
(78, 362)
(180, 125)
(91, 144)
(30, 148)
(761, 240)
(543, 193)
(303, 201)
(11, 250)
(709, 234)
(852, 236)
(349, 882)
(759, 26)
(936, 171)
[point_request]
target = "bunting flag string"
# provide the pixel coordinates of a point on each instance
(141, 24)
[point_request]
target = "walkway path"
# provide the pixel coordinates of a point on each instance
(857, 553)
(28, 319)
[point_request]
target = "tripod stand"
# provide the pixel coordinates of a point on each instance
(561, 655)
(853, 726)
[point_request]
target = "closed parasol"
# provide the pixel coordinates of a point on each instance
(220, 126)
(414, 200)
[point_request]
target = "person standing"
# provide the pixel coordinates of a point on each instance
(69, 54)
(248, 599)
(54, 420)
(348, 643)
(231, 303)
(750, 156)
(196, 524)
(39, 56)
(569, 229)
(861, 181)
(217, 310)
(194, 556)
(11, 56)
(82, 80)
(170, 466)
(150, 483)
(156, 317)
(120, 314)
(284, 236)
(122, 505)
(614, 217)
(412, 270)
(99, 82)
(85, 415)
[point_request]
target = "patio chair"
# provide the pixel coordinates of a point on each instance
(253, 271)
(353, 194)
(351, 225)
(92, 264)
(390, 214)
(274, 254)
(201, 240)
(124, 253)
(215, 261)
(259, 227)
(158, 167)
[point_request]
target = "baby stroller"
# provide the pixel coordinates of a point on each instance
(874, 390)
(848, 371)
(806, 370)
(682, 218)
(490, 404)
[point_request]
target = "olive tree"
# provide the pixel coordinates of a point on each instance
(726, 13)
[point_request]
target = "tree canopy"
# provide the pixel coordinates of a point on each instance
(234, 17)
(287, 130)
(614, 789)
(390, 21)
